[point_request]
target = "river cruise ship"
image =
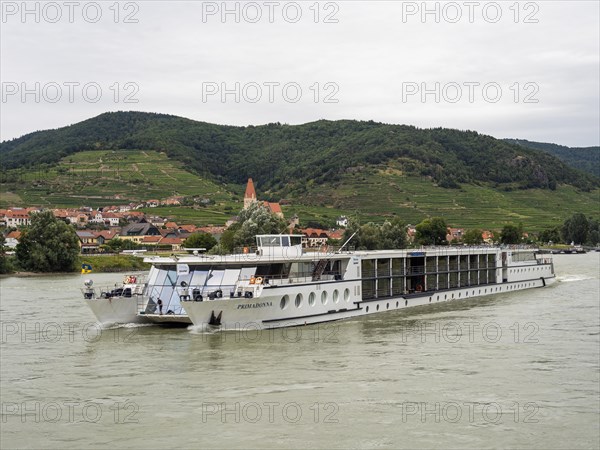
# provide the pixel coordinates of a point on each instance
(279, 283)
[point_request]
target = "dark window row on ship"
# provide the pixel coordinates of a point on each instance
(389, 277)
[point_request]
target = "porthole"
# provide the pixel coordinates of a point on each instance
(336, 296)
(397, 304)
(474, 292)
(405, 302)
(445, 296)
(367, 309)
(459, 295)
(324, 297)
(347, 295)
(387, 306)
(377, 308)
(429, 299)
(298, 300)
(311, 299)
(284, 302)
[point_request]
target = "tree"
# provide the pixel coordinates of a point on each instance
(511, 234)
(575, 229)
(389, 235)
(594, 233)
(4, 266)
(393, 235)
(48, 245)
(257, 219)
(116, 245)
(432, 231)
(550, 235)
(200, 240)
(473, 237)
(254, 220)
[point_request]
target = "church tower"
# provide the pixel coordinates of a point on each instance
(250, 195)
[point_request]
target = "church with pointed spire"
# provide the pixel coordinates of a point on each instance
(250, 195)
(250, 198)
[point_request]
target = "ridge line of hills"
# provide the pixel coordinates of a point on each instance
(285, 157)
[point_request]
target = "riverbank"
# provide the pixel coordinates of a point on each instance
(99, 263)
(115, 263)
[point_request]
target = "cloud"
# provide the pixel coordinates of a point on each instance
(355, 68)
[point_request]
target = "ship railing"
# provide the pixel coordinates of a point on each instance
(117, 290)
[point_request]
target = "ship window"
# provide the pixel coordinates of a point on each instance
(154, 271)
(270, 241)
(215, 278)
(336, 296)
(324, 297)
(298, 300)
(377, 307)
(367, 309)
(311, 299)
(285, 241)
(284, 302)
(347, 294)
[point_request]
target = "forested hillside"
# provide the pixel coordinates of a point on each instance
(582, 158)
(284, 159)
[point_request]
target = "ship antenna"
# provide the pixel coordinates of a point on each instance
(346, 243)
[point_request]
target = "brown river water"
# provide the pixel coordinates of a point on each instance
(514, 370)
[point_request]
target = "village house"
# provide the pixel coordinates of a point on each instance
(152, 203)
(454, 234)
(12, 239)
(488, 237)
(88, 241)
(137, 231)
(104, 236)
(111, 219)
(342, 221)
(18, 217)
(173, 201)
(314, 237)
(162, 243)
(156, 221)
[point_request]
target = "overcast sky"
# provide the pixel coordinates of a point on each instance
(530, 71)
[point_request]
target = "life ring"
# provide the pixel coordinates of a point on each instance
(258, 280)
(419, 288)
(252, 280)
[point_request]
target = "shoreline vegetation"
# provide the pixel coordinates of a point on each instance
(99, 263)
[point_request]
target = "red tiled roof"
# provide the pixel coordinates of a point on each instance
(315, 232)
(274, 207)
(171, 241)
(14, 235)
(189, 228)
(151, 239)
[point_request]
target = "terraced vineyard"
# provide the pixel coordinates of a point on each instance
(102, 177)
(378, 195)
(99, 178)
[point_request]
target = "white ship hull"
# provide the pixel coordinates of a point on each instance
(117, 310)
(266, 312)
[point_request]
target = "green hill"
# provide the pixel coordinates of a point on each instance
(323, 168)
(582, 158)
